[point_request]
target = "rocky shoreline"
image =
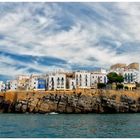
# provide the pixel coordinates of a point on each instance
(98, 101)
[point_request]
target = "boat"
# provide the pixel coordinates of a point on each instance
(53, 113)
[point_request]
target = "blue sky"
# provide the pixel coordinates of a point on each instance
(40, 37)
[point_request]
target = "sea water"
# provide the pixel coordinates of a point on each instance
(70, 125)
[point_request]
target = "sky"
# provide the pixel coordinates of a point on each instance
(40, 37)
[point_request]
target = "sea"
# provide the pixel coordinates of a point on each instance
(70, 125)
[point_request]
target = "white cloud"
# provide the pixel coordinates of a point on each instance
(29, 33)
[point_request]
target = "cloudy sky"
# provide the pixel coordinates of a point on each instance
(39, 37)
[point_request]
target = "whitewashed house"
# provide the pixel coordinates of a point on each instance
(33, 82)
(2, 86)
(13, 85)
(56, 81)
(23, 81)
(72, 84)
(131, 76)
(97, 77)
(82, 79)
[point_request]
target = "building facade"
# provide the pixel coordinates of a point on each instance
(72, 84)
(33, 83)
(41, 84)
(13, 85)
(98, 78)
(56, 81)
(131, 76)
(82, 79)
(23, 81)
(2, 86)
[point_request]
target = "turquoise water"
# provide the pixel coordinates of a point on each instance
(70, 125)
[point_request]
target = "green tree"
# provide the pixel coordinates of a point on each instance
(113, 77)
(120, 79)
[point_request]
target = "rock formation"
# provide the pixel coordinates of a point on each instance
(100, 101)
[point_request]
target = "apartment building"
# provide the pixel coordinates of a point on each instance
(82, 79)
(56, 81)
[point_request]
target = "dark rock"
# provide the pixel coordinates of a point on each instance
(127, 99)
(24, 108)
(98, 100)
(123, 108)
(18, 107)
(133, 108)
(113, 97)
(1, 99)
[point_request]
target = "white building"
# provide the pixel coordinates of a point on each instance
(13, 85)
(33, 82)
(23, 81)
(72, 84)
(2, 86)
(131, 72)
(98, 78)
(82, 79)
(131, 76)
(56, 81)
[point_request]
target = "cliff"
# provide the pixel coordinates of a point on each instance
(81, 101)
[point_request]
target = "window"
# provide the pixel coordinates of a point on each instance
(125, 77)
(58, 81)
(86, 79)
(98, 79)
(62, 81)
(131, 77)
(52, 82)
(80, 80)
(72, 83)
(104, 79)
(76, 79)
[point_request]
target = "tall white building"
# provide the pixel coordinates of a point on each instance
(33, 82)
(72, 84)
(131, 76)
(82, 79)
(2, 86)
(56, 81)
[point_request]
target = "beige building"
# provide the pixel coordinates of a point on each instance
(129, 85)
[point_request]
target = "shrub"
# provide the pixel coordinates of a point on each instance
(134, 88)
(101, 85)
(126, 87)
(119, 86)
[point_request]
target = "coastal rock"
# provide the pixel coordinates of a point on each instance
(76, 102)
(127, 99)
(24, 108)
(18, 107)
(133, 108)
